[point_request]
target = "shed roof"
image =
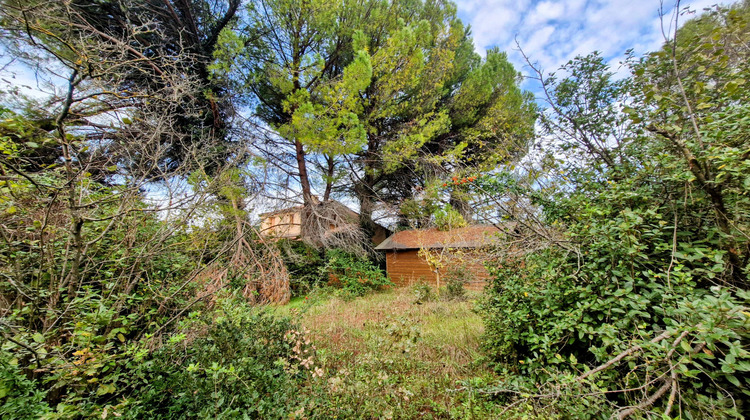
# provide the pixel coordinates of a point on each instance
(467, 237)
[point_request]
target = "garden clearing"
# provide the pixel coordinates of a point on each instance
(385, 356)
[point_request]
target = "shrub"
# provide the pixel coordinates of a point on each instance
(449, 218)
(422, 293)
(640, 305)
(546, 327)
(245, 362)
(355, 276)
(456, 278)
(304, 263)
(20, 397)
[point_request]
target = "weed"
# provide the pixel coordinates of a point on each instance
(422, 293)
(385, 357)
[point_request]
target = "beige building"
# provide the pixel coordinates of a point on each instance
(331, 216)
(286, 223)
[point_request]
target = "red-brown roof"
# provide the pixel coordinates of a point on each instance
(468, 237)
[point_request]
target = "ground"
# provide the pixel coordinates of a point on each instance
(386, 356)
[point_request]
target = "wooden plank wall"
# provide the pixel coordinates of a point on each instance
(406, 268)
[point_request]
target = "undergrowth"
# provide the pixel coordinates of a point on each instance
(384, 356)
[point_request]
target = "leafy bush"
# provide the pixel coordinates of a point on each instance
(449, 218)
(456, 278)
(245, 362)
(547, 327)
(304, 263)
(353, 275)
(422, 293)
(20, 397)
(640, 306)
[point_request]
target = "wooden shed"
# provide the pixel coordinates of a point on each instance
(407, 253)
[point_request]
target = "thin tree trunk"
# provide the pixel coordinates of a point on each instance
(329, 178)
(304, 179)
(366, 204)
(76, 228)
(716, 196)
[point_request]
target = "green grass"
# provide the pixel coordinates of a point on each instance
(295, 302)
(383, 356)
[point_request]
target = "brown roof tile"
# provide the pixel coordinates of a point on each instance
(468, 237)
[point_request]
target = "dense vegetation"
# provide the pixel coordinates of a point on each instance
(136, 283)
(639, 304)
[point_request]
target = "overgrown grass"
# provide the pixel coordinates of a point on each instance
(384, 356)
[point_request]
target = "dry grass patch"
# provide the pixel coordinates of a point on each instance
(385, 356)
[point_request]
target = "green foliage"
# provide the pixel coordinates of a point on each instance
(325, 80)
(422, 293)
(650, 284)
(418, 212)
(25, 142)
(72, 312)
(304, 263)
(354, 275)
(449, 218)
(238, 361)
(456, 278)
(493, 116)
(546, 326)
(454, 290)
(20, 397)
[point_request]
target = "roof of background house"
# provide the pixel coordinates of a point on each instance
(281, 211)
(467, 237)
(299, 207)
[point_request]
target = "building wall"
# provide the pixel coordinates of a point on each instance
(282, 225)
(289, 225)
(407, 268)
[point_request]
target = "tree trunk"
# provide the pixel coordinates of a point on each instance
(364, 191)
(329, 178)
(716, 196)
(304, 179)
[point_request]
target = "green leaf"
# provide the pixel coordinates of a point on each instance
(106, 389)
(733, 379)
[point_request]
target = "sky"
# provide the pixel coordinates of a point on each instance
(552, 32)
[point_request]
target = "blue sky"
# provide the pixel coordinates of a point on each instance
(553, 32)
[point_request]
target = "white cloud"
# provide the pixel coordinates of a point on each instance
(539, 39)
(545, 11)
(551, 32)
